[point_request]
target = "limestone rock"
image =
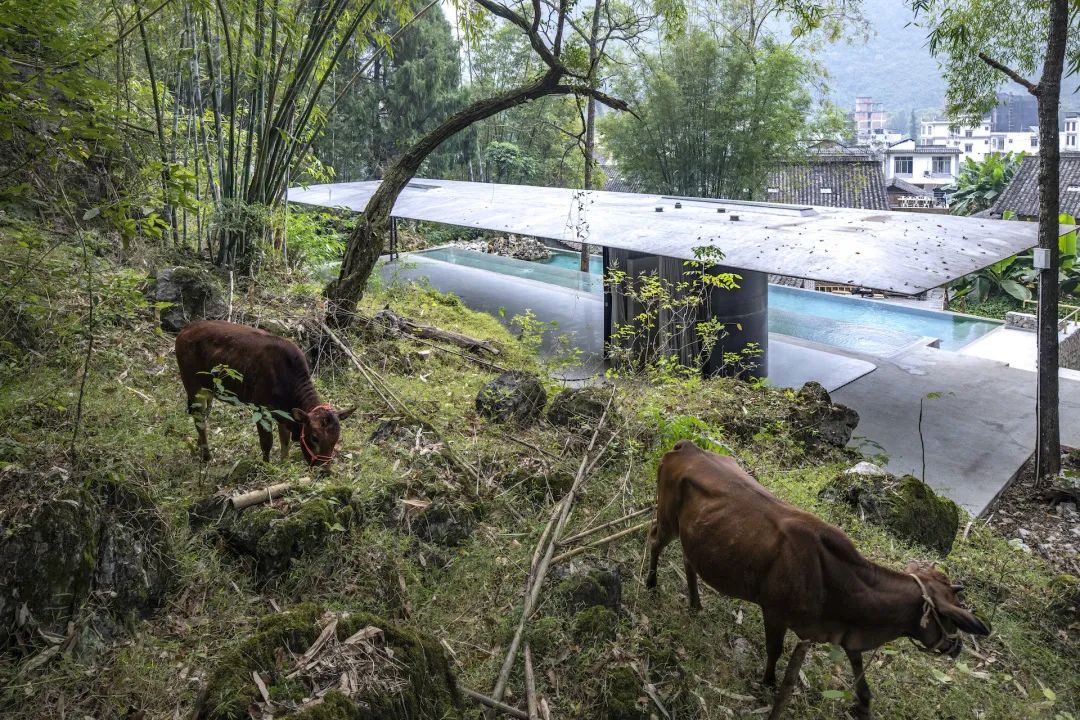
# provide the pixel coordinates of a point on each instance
(516, 246)
(817, 419)
(513, 396)
(195, 294)
(906, 506)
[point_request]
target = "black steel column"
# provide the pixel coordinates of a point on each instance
(745, 314)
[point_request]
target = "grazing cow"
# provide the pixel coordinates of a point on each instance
(805, 574)
(273, 374)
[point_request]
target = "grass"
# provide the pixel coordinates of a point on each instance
(705, 666)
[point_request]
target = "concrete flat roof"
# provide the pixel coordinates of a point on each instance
(899, 252)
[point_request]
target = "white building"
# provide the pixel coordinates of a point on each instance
(1070, 138)
(927, 166)
(978, 141)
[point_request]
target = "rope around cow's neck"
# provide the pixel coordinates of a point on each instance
(930, 611)
(303, 439)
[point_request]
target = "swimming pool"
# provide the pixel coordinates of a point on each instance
(852, 323)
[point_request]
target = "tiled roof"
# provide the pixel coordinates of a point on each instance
(852, 184)
(1022, 194)
(615, 182)
(903, 186)
(925, 150)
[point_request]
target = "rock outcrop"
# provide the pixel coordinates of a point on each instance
(817, 419)
(512, 397)
(194, 294)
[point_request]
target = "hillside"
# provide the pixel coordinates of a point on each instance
(417, 546)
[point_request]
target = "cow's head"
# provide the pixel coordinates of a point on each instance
(320, 429)
(942, 614)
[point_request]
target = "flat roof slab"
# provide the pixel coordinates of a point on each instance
(898, 252)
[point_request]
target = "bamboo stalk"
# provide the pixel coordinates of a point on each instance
(532, 593)
(256, 497)
(530, 685)
(585, 533)
(601, 542)
(493, 703)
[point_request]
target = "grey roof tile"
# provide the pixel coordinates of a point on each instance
(1022, 194)
(853, 183)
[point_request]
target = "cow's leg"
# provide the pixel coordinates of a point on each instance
(284, 438)
(658, 540)
(775, 630)
(691, 585)
(266, 442)
(862, 689)
(199, 407)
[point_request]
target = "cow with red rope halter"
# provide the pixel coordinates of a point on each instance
(263, 370)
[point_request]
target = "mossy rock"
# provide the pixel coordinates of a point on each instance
(545, 635)
(591, 586)
(817, 420)
(579, 409)
(47, 562)
(194, 294)
(906, 507)
(514, 396)
(273, 536)
(622, 690)
(430, 686)
(595, 623)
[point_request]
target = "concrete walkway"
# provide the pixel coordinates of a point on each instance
(977, 434)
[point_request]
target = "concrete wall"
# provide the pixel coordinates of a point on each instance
(1068, 342)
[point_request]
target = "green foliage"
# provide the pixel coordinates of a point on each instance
(506, 163)
(980, 183)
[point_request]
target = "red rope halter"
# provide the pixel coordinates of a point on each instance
(307, 448)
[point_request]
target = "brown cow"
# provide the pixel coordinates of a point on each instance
(274, 375)
(804, 573)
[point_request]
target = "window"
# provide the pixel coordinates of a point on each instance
(967, 147)
(826, 191)
(942, 165)
(1073, 189)
(902, 165)
(969, 133)
(1034, 141)
(773, 191)
(1070, 140)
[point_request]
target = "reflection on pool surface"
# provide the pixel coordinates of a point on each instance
(852, 323)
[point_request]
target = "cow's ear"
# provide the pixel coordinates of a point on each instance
(344, 414)
(964, 619)
(299, 415)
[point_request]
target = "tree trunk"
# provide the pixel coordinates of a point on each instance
(590, 126)
(367, 239)
(1048, 437)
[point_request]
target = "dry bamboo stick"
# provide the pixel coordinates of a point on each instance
(370, 375)
(530, 685)
(791, 676)
(585, 533)
(256, 497)
(600, 542)
(532, 593)
(493, 703)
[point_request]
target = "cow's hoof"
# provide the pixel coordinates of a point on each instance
(695, 607)
(204, 454)
(650, 582)
(861, 712)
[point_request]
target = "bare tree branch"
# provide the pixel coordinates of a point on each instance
(1015, 76)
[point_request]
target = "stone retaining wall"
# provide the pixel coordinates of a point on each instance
(1068, 346)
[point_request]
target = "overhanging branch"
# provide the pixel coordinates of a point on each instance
(1015, 76)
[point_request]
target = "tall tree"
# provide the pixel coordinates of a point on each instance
(560, 73)
(987, 43)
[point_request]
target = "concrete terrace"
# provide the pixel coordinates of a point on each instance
(978, 433)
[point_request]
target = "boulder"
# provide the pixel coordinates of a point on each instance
(195, 294)
(102, 540)
(514, 396)
(389, 671)
(816, 418)
(906, 506)
(578, 409)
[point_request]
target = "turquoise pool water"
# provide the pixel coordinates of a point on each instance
(852, 323)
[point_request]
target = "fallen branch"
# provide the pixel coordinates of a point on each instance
(257, 497)
(538, 572)
(493, 703)
(791, 676)
(585, 533)
(600, 542)
(390, 319)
